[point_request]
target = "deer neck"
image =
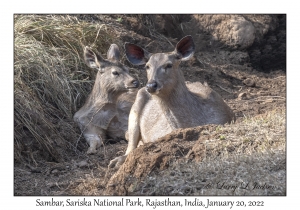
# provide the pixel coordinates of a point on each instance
(178, 105)
(106, 95)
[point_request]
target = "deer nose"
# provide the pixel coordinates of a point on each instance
(135, 83)
(151, 87)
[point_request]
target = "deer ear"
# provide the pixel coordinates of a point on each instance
(113, 53)
(135, 54)
(185, 48)
(92, 59)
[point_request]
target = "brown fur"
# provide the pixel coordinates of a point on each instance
(105, 112)
(167, 102)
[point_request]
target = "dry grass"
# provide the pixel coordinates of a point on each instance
(51, 81)
(252, 151)
(208, 177)
(262, 133)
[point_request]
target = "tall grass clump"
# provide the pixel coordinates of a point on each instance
(51, 81)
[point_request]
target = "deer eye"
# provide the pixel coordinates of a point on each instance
(168, 66)
(147, 67)
(115, 73)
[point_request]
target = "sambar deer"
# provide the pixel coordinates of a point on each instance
(167, 102)
(106, 110)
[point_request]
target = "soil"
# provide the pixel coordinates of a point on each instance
(250, 84)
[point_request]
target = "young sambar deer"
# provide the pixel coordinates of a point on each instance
(167, 102)
(106, 110)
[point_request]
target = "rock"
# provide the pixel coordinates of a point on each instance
(82, 164)
(241, 32)
(123, 142)
(249, 82)
(55, 171)
(157, 150)
(235, 31)
(242, 96)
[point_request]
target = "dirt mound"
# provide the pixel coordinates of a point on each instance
(182, 144)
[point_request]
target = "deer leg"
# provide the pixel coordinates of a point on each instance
(133, 132)
(133, 136)
(94, 136)
(127, 136)
(94, 141)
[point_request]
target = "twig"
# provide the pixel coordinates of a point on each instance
(279, 97)
(238, 86)
(278, 77)
(224, 89)
(149, 44)
(201, 62)
(98, 34)
(105, 179)
(272, 99)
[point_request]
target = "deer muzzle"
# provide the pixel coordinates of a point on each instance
(151, 87)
